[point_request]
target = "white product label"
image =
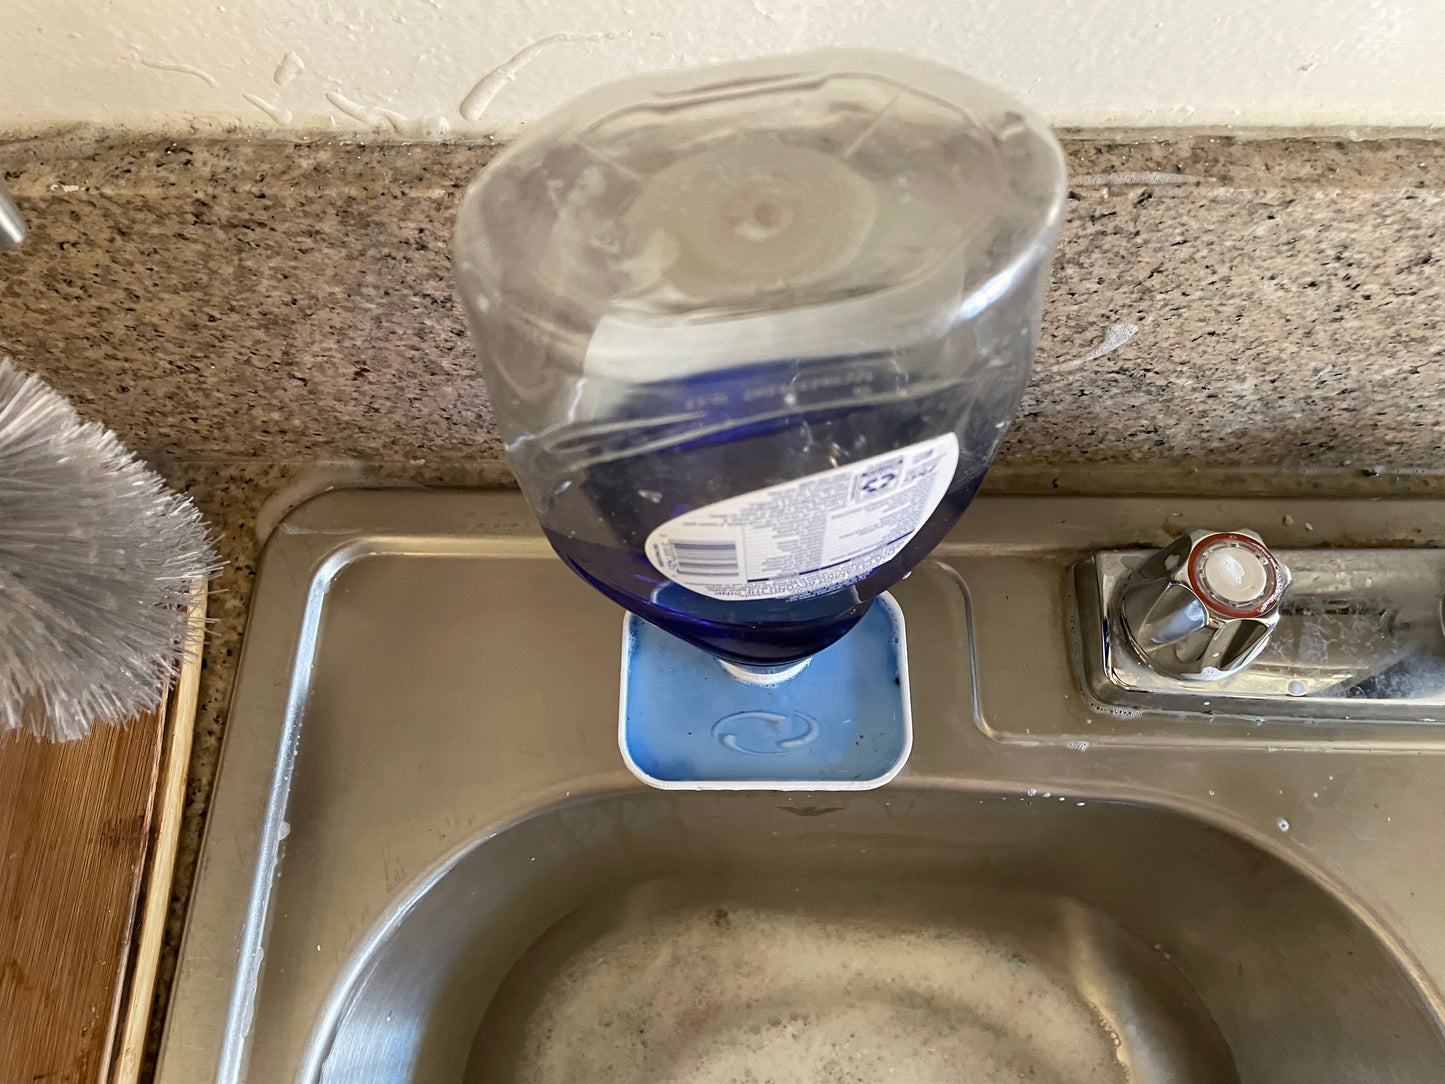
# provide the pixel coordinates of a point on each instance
(811, 535)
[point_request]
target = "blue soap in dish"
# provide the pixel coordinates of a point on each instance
(840, 721)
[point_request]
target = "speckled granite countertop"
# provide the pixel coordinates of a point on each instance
(283, 302)
(263, 318)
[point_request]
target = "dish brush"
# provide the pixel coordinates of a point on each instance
(97, 560)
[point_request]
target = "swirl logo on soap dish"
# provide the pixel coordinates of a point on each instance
(766, 733)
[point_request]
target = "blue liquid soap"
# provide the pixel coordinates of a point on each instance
(599, 517)
(839, 721)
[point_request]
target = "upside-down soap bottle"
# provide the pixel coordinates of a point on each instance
(753, 333)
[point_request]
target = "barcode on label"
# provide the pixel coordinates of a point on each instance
(706, 559)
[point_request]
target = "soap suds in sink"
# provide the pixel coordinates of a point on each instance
(719, 995)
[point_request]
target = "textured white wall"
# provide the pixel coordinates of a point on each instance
(426, 67)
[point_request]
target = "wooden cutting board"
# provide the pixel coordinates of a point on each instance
(88, 834)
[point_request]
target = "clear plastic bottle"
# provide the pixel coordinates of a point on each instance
(753, 333)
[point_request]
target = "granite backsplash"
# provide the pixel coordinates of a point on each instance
(1274, 302)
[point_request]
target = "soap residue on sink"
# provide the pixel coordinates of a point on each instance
(716, 995)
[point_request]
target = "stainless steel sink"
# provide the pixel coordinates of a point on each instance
(425, 861)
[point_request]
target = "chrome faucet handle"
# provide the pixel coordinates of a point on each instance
(1203, 607)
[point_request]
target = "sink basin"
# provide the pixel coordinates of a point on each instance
(426, 862)
(644, 937)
